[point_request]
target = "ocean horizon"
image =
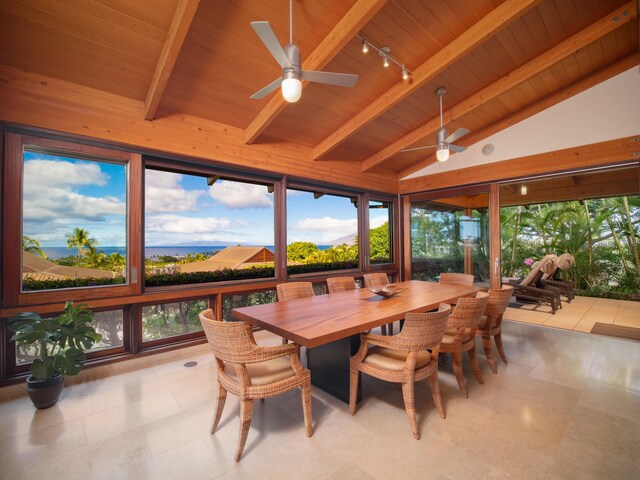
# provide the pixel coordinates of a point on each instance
(177, 251)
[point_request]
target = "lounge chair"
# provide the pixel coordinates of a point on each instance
(527, 290)
(563, 262)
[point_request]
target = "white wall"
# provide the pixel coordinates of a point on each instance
(606, 111)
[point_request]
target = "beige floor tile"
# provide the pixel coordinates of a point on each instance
(350, 471)
(112, 422)
(584, 326)
(562, 321)
(611, 400)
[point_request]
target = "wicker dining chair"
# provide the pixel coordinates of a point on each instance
(404, 359)
(490, 324)
(251, 371)
(292, 291)
(340, 284)
(457, 278)
(378, 279)
(460, 335)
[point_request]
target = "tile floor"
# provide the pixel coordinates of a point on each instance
(580, 315)
(567, 406)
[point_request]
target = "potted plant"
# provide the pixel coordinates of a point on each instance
(61, 342)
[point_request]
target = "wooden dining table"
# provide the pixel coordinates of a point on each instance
(330, 325)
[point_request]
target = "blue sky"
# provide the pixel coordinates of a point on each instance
(63, 193)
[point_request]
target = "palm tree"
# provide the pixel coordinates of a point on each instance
(32, 245)
(79, 239)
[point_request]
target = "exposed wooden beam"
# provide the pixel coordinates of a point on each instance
(182, 18)
(593, 155)
(583, 84)
(556, 54)
(465, 42)
(356, 18)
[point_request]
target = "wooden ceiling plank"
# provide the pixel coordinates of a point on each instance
(185, 11)
(465, 42)
(344, 31)
(585, 156)
(556, 54)
(583, 84)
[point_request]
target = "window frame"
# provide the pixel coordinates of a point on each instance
(12, 221)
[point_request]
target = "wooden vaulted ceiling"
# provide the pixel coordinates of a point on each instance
(500, 61)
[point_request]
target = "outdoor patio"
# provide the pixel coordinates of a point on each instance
(579, 315)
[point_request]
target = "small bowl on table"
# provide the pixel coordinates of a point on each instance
(387, 291)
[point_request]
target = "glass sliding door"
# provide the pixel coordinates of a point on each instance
(450, 235)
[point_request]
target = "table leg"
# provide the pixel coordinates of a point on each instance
(329, 365)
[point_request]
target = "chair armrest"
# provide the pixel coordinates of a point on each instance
(378, 340)
(558, 284)
(262, 353)
(550, 292)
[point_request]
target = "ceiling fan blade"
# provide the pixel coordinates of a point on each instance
(339, 79)
(418, 148)
(268, 89)
(265, 32)
(456, 135)
(457, 148)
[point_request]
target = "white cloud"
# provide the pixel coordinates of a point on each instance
(375, 222)
(322, 230)
(163, 193)
(241, 195)
(63, 174)
(185, 225)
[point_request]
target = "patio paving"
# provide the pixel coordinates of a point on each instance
(579, 315)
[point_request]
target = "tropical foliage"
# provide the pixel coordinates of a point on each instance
(170, 319)
(32, 245)
(601, 234)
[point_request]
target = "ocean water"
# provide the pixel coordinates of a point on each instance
(173, 251)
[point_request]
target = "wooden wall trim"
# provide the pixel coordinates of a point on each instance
(36, 100)
(494, 236)
(594, 155)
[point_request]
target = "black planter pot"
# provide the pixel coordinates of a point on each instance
(45, 393)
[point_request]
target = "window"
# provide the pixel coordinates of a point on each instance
(172, 319)
(109, 324)
(322, 231)
(74, 221)
(202, 228)
(380, 232)
(245, 299)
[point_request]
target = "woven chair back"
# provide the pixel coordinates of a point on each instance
(468, 311)
(340, 284)
(498, 301)
(423, 330)
(293, 290)
(458, 278)
(372, 280)
(230, 341)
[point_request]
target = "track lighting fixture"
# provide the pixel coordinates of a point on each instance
(385, 53)
(523, 189)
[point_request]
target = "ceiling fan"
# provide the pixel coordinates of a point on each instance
(443, 139)
(289, 59)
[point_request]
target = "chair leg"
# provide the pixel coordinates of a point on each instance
(353, 390)
(306, 408)
(435, 393)
(486, 343)
(410, 407)
(457, 369)
(474, 364)
(246, 412)
(383, 329)
(220, 401)
(498, 339)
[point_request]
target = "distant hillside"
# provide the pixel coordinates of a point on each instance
(348, 239)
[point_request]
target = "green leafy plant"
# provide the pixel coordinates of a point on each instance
(61, 341)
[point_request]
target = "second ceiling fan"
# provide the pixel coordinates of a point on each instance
(443, 139)
(289, 59)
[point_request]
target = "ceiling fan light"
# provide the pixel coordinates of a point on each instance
(442, 154)
(291, 89)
